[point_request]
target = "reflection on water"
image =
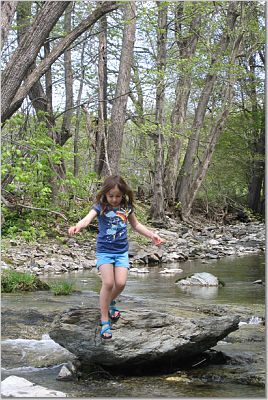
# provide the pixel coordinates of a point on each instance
(200, 292)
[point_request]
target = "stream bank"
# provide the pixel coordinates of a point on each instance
(182, 243)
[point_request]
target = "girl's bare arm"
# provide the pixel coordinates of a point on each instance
(83, 223)
(141, 229)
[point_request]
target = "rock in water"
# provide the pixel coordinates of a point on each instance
(141, 338)
(199, 279)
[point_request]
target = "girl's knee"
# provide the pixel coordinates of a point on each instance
(120, 285)
(108, 285)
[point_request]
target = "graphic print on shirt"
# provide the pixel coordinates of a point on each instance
(117, 220)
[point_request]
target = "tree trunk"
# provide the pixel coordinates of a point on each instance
(157, 211)
(184, 182)
(13, 93)
(78, 112)
(116, 128)
(101, 141)
(187, 50)
(8, 9)
(138, 102)
(256, 186)
(68, 73)
(26, 53)
(42, 101)
(204, 163)
(256, 196)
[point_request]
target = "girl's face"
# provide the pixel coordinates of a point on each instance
(114, 197)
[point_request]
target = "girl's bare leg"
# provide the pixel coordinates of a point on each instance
(120, 278)
(107, 277)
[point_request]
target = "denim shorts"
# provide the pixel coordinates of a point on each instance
(117, 259)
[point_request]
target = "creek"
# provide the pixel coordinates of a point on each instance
(238, 274)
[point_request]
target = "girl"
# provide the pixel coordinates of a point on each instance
(114, 207)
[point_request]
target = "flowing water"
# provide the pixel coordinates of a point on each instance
(238, 274)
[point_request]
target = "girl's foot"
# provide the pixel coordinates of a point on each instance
(106, 332)
(114, 313)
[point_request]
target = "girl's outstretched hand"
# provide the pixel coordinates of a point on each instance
(157, 239)
(73, 230)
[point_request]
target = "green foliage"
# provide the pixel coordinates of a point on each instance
(27, 225)
(62, 288)
(31, 160)
(228, 177)
(13, 281)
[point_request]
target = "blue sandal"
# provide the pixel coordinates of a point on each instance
(114, 313)
(106, 330)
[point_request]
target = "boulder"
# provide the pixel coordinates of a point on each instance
(141, 339)
(199, 279)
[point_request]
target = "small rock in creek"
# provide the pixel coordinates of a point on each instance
(65, 374)
(170, 271)
(140, 270)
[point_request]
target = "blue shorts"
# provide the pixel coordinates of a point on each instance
(117, 259)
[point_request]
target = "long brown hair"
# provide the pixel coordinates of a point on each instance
(109, 183)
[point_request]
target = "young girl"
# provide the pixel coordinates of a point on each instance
(114, 207)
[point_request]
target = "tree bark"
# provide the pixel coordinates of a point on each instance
(12, 91)
(257, 179)
(101, 140)
(78, 112)
(116, 128)
(68, 75)
(157, 211)
(8, 9)
(26, 53)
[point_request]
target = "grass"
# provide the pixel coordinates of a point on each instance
(13, 281)
(62, 288)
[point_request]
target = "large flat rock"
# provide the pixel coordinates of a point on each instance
(141, 337)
